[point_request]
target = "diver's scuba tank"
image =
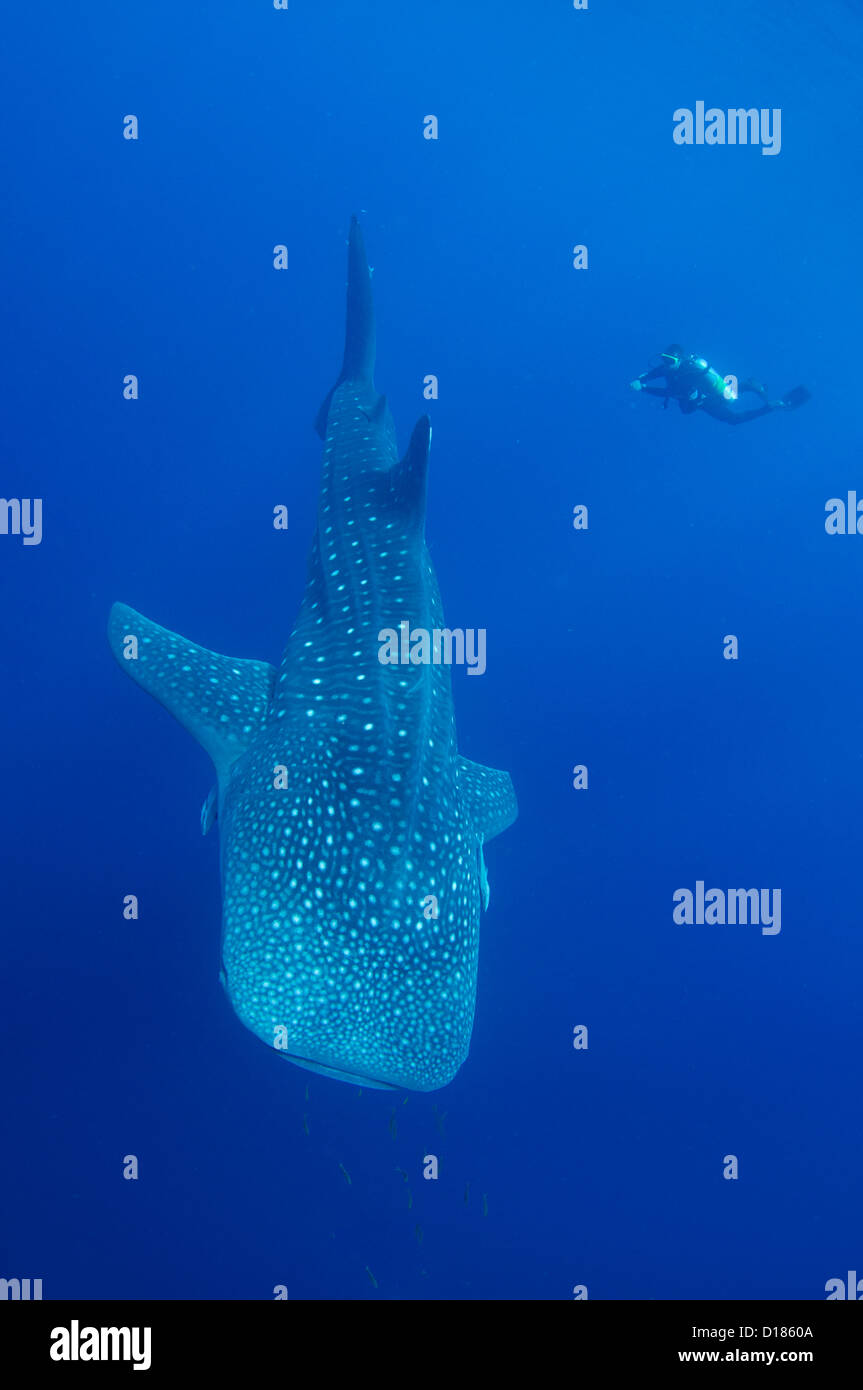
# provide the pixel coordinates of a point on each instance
(712, 383)
(705, 380)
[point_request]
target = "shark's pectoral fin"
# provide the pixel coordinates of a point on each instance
(323, 413)
(210, 811)
(376, 411)
(487, 796)
(489, 803)
(222, 701)
(484, 890)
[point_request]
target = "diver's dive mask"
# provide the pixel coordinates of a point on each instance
(671, 358)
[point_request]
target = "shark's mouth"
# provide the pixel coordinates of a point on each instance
(354, 1078)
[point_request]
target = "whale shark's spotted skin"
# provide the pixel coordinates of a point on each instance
(331, 882)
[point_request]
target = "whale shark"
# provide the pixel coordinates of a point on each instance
(351, 829)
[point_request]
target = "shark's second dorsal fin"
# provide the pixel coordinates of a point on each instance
(487, 796)
(221, 700)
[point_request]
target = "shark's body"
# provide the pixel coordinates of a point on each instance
(351, 828)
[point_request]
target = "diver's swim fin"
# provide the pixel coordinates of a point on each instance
(794, 398)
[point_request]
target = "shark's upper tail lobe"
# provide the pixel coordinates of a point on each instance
(358, 364)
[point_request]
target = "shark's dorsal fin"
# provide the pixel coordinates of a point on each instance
(487, 797)
(407, 479)
(221, 700)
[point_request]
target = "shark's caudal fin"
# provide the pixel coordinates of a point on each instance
(222, 701)
(487, 796)
(359, 359)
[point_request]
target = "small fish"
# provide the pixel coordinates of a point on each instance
(484, 1205)
(306, 1123)
(393, 1126)
(402, 1171)
(439, 1119)
(466, 1192)
(418, 1232)
(406, 1099)
(372, 1277)
(346, 1173)
(410, 1199)
(359, 1092)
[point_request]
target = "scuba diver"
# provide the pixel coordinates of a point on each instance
(696, 386)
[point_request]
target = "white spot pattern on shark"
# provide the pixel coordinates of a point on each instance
(325, 871)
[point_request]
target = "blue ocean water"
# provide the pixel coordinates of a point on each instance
(559, 1167)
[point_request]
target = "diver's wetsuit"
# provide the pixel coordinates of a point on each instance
(696, 386)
